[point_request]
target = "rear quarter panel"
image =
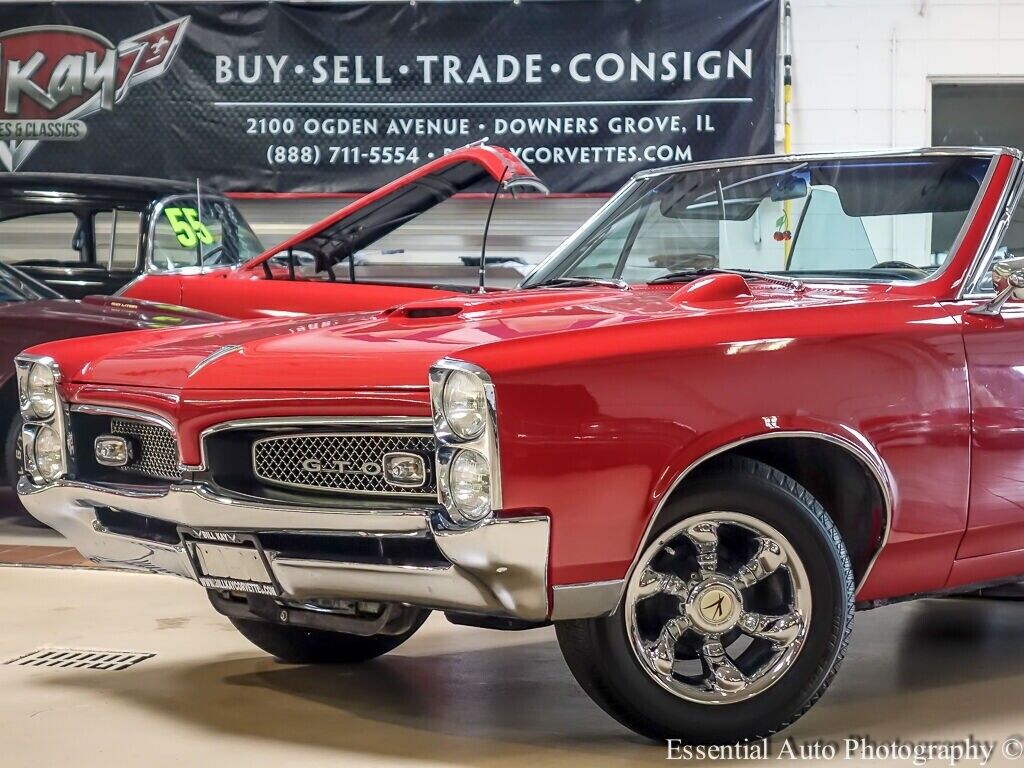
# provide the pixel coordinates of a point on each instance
(596, 424)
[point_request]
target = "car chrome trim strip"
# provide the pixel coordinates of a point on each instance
(199, 506)
(814, 157)
(413, 423)
(861, 450)
(124, 413)
(585, 601)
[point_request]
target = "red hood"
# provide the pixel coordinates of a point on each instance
(396, 347)
(372, 216)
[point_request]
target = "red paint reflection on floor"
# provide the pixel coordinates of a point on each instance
(31, 555)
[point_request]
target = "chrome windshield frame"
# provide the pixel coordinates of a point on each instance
(992, 153)
(148, 265)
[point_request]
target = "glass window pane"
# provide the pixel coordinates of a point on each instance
(45, 238)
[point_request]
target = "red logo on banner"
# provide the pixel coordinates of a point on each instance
(52, 77)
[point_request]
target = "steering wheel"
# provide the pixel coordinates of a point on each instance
(898, 265)
(209, 259)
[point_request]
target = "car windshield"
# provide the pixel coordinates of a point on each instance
(15, 285)
(206, 233)
(871, 219)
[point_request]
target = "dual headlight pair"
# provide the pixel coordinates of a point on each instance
(42, 437)
(462, 397)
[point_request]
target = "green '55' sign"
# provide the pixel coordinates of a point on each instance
(189, 230)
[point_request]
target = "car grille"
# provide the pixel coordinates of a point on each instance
(344, 462)
(157, 449)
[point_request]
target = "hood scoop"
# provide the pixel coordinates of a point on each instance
(712, 289)
(478, 305)
(423, 311)
(420, 313)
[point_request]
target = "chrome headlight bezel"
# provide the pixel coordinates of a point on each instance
(476, 415)
(450, 443)
(31, 435)
(40, 401)
(34, 422)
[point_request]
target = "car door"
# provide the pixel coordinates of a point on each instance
(994, 345)
(995, 360)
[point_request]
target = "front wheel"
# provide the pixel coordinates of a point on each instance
(298, 645)
(734, 620)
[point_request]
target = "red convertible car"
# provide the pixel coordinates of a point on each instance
(318, 269)
(743, 400)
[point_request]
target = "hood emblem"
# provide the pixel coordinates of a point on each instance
(214, 356)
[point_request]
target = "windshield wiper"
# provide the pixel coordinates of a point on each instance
(686, 275)
(576, 282)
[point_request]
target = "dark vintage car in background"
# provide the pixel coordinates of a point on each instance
(31, 312)
(90, 234)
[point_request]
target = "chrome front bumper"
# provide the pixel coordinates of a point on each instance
(498, 568)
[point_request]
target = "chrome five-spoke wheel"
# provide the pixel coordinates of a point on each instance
(718, 607)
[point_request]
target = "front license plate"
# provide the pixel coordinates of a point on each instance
(238, 567)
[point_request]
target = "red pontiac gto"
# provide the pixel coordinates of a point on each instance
(743, 400)
(317, 270)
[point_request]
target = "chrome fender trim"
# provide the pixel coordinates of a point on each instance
(585, 601)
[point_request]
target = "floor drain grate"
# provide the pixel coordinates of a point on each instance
(76, 658)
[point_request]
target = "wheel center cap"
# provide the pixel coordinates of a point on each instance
(714, 607)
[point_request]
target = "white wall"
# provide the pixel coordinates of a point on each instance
(844, 59)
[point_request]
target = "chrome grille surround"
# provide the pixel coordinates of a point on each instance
(279, 460)
(157, 454)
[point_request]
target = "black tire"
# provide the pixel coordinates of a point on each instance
(12, 470)
(297, 645)
(601, 657)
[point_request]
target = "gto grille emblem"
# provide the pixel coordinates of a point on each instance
(341, 467)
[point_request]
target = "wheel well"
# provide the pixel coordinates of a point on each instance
(8, 410)
(840, 480)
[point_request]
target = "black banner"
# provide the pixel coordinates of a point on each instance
(343, 97)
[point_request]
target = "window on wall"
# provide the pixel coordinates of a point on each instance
(988, 115)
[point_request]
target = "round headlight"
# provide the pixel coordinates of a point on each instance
(41, 389)
(48, 453)
(469, 483)
(465, 405)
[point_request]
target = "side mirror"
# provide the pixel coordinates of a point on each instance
(1008, 279)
